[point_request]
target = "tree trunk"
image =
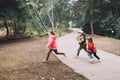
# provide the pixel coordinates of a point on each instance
(15, 28)
(37, 13)
(50, 19)
(5, 23)
(91, 26)
(92, 18)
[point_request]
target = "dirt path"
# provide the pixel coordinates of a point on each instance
(22, 60)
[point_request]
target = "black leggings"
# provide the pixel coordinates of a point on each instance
(94, 53)
(56, 52)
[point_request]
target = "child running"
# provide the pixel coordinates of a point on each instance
(92, 48)
(52, 45)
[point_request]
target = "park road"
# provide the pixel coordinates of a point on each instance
(107, 69)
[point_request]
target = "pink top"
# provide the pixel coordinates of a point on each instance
(52, 42)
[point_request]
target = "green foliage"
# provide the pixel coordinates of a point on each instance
(1, 23)
(61, 30)
(41, 13)
(118, 35)
(117, 29)
(110, 26)
(85, 18)
(29, 31)
(103, 14)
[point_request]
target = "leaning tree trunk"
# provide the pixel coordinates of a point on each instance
(50, 19)
(37, 13)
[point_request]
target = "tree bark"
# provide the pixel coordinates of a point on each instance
(92, 18)
(5, 23)
(91, 26)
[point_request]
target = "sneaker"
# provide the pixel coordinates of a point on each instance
(44, 61)
(91, 60)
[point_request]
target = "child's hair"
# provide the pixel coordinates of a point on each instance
(51, 32)
(90, 39)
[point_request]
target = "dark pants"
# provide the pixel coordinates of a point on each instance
(55, 51)
(83, 46)
(94, 53)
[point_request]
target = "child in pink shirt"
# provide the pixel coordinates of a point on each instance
(52, 45)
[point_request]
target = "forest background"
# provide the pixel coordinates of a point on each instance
(21, 17)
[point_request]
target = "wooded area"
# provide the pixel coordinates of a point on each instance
(101, 17)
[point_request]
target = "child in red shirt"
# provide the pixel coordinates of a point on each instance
(91, 48)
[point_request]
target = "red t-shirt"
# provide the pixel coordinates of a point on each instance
(91, 46)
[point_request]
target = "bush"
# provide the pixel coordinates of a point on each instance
(29, 31)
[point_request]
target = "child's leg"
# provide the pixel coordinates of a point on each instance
(48, 54)
(96, 55)
(78, 51)
(56, 52)
(90, 55)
